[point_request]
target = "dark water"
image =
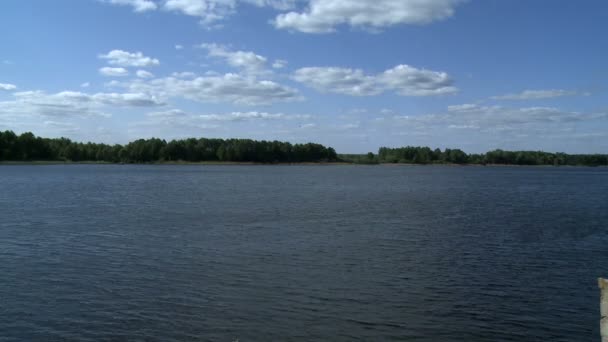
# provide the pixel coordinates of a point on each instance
(301, 253)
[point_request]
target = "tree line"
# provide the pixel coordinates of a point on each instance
(28, 147)
(425, 155)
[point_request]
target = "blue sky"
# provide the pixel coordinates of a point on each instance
(353, 74)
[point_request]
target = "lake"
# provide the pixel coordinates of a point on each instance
(301, 253)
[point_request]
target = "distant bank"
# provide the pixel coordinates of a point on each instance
(28, 148)
(426, 155)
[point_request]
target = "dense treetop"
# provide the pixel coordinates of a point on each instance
(28, 147)
(424, 155)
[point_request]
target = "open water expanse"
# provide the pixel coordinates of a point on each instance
(301, 253)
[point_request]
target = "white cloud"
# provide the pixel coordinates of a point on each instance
(279, 64)
(473, 116)
(179, 47)
(129, 59)
(71, 103)
(323, 16)
(403, 79)
(85, 85)
(144, 74)
(536, 95)
(138, 5)
(232, 88)
(246, 60)
(318, 16)
(126, 99)
(171, 113)
(409, 81)
(276, 4)
(464, 107)
(208, 11)
(38, 103)
(476, 127)
(184, 74)
(211, 11)
(338, 80)
(114, 72)
(246, 116)
(7, 86)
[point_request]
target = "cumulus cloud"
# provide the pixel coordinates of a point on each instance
(113, 72)
(338, 80)
(208, 11)
(7, 86)
(211, 11)
(536, 95)
(144, 74)
(129, 59)
(71, 103)
(38, 103)
(409, 81)
(245, 60)
(138, 5)
(323, 16)
(403, 79)
(232, 88)
(318, 16)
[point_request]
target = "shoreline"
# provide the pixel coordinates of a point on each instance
(220, 163)
(45, 162)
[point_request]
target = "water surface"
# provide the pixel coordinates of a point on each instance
(301, 253)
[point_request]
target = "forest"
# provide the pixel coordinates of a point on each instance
(28, 147)
(425, 155)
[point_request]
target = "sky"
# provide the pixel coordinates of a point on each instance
(352, 74)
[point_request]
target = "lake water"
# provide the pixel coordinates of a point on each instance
(301, 253)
